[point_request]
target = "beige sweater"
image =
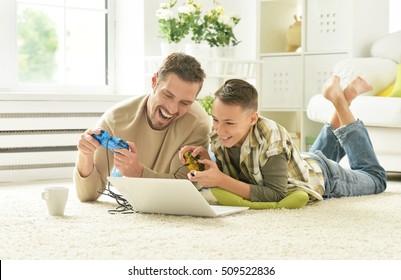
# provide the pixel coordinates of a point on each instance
(157, 150)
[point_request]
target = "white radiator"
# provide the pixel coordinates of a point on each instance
(38, 137)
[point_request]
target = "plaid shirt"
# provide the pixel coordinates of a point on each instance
(265, 139)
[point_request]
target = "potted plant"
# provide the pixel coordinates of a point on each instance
(219, 32)
(173, 26)
(208, 30)
(207, 103)
(194, 15)
(192, 12)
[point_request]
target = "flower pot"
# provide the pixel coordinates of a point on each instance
(168, 48)
(223, 52)
(199, 51)
(202, 52)
(223, 64)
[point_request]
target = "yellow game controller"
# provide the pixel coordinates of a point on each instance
(192, 162)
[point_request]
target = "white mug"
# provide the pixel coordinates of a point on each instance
(56, 199)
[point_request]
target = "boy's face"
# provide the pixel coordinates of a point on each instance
(170, 100)
(232, 123)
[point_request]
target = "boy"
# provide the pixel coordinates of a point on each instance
(257, 160)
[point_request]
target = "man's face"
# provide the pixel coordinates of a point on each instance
(170, 100)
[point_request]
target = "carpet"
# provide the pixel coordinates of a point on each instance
(357, 228)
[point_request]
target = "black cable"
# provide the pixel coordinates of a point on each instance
(124, 206)
(181, 166)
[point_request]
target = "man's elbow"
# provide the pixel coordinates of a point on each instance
(86, 197)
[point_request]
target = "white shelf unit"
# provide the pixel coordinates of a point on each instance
(217, 70)
(215, 67)
(331, 31)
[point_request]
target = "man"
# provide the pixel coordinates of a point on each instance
(155, 127)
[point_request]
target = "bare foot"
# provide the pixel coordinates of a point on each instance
(355, 88)
(333, 91)
(336, 95)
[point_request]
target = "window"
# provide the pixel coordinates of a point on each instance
(58, 45)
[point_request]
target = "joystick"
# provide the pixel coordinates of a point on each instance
(192, 162)
(110, 142)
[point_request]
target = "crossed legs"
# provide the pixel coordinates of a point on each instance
(327, 142)
(345, 135)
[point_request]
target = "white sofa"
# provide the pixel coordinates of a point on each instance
(381, 115)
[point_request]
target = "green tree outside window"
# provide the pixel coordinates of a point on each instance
(37, 46)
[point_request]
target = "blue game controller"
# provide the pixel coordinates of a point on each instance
(110, 142)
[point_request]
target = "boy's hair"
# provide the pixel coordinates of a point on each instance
(186, 67)
(238, 92)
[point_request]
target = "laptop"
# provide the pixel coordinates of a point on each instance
(168, 196)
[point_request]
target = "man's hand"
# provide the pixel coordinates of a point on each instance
(87, 146)
(126, 161)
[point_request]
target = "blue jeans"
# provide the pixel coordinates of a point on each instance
(366, 175)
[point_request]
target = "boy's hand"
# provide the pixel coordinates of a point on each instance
(208, 178)
(195, 151)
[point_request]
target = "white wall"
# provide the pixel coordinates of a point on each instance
(7, 50)
(130, 47)
(246, 29)
(394, 18)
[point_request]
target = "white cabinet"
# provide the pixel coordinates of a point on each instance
(331, 30)
(281, 83)
(327, 24)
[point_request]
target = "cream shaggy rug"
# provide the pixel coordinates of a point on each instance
(361, 228)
